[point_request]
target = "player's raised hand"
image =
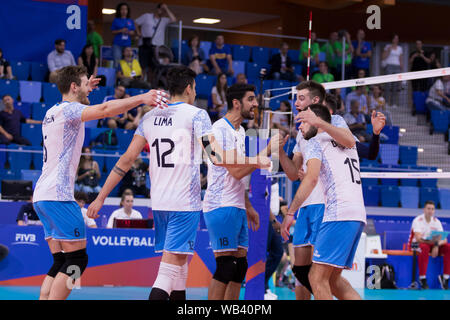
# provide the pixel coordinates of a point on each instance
(286, 225)
(93, 83)
(277, 142)
(378, 120)
(156, 98)
(94, 208)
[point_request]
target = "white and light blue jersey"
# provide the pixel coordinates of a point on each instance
(63, 133)
(175, 155)
(317, 195)
(340, 178)
(223, 189)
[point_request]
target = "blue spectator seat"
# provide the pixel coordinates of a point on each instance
(238, 67)
(19, 160)
(439, 121)
(32, 175)
(409, 182)
(110, 74)
(39, 71)
(32, 132)
(426, 194)
(273, 51)
(393, 134)
(24, 107)
(110, 162)
(136, 91)
(2, 156)
(267, 84)
(37, 158)
(97, 95)
(240, 52)
(10, 87)
(260, 55)
(409, 197)
(95, 132)
(204, 84)
(408, 155)
(445, 198)
(253, 69)
(390, 196)
(322, 56)
(419, 98)
(30, 91)
(21, 69)
(275, 103)
(428, 183)
(38, 110)
(371, 195)
(388, 168)
(389, 153)
(50, 93)
(124, 138)
(294, 55)
(206, 46)
(298, 69)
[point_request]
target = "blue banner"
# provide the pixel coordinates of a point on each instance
(30, 28)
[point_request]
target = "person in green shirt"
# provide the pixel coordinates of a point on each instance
(323, 75)
(315, 50)
(94, 38)
(348, 51)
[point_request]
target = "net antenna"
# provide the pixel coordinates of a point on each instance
(309, 46)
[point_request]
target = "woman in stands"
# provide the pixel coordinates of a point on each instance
(5, 67)
(88, 175)
(392, 62)
(195, 57)
(123, 30)
(218, 97)
(126, 210)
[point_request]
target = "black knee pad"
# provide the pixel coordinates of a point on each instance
(225, 269)
(241, 270)
(58, 261)
(301, 273)
(75, 264)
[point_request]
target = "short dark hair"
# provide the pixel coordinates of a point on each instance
(315, 89)
(59, 41)
(321, 111)
(69, 74)
(331, 102)
(118, 9)
(6, 95)
(178, 78)
(429, 202)
(81, 196)
(238, 91)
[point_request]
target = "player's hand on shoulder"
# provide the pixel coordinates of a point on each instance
(94, 208)
(309, 117)
(156, 98)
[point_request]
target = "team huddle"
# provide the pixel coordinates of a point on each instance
(329, 201)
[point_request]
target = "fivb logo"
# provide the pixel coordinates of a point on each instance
(25, 238)
(74, 19)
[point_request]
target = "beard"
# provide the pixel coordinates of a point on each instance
(83, 99)
(310, 134)
(248, 114)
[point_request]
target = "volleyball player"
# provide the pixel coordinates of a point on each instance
(63, 133)
(226, 205)
(176, 137)
(337, 168)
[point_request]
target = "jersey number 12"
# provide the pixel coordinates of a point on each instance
(161, 158)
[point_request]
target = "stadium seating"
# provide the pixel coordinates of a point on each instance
(100, 159)
(204, 85)
(444, 195)
(408, 155)
(371, 195)
(21, 69)
(238, 67)
(124, 138)
(389, 153)
(38, 110)
(50, 93)
(294, 55)
(439, 121)
(2, 156)
(206, 46)
(390, 196)
(392, 132)
(32, 175)
(97, 95)
(260, 55)
(37, 158)
(32, 132)
(18, 160)
(409, 197)
(109, 73)
(10, 87)
(24, 107)
(240, 52)
(39, 71)
(419, 98)
(275, 103)
(426, 194)
(30, 91)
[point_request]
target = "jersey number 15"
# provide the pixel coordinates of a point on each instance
(353, 165)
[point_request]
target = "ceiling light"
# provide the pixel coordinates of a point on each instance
(108, 11)
(206, 20)
(439, 170)
(420, 150)
(402, 130)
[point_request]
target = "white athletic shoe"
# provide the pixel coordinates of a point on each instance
(269, 295)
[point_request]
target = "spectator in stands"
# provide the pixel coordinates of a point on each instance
(88, 59)
(347, 51)
(195, 57)
(358, 94)
(220, 60)
(94, 38)
(151, 30)
(5, 67)
(323, 75)
(377, 102)
(218, 95)
(315, 50)
(126, 210)
(330, 52)
(282, 121)
(362, 53)
(340, 105)
(27, 215)
(418, 62)
(123, 29)
(422, 228)
(88, 175)
(135, 179)
(120, 120)
(241, 78)
(129, 72)
(392, 62)
(82, 198)
(281, 65)
(10, 123)
(356, 122)
(437, 99)
(434, 61)
(59, 58)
